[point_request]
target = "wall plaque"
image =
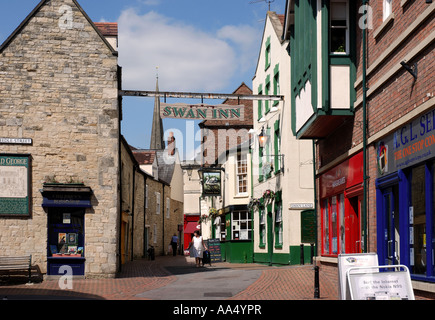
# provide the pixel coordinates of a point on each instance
(14, 185)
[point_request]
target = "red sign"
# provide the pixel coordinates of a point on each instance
(347, 174)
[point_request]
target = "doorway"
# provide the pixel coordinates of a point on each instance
(391, 215)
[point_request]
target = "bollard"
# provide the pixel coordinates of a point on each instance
(316, 283)
(302, 254)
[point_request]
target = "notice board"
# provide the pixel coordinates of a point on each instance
(214, 247)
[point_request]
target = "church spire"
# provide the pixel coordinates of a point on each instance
(157, 141)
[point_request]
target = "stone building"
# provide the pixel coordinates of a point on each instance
(60, 129)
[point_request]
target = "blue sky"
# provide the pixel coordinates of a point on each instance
(197, 45)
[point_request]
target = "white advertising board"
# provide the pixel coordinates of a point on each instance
(387, 285)
(347, 261)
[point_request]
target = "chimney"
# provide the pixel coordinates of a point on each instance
(171, 144)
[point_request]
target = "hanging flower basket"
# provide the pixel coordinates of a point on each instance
(254, 204)
(268, 196)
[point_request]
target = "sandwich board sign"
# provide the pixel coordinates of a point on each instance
(347, 261)
(392, 284)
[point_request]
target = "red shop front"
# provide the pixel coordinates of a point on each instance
(341, 191)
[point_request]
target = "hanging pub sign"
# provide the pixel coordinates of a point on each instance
(211, 183)
(202, 111)
(407, 146)
(15, 185)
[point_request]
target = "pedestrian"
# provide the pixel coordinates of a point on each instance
(174, 244)
(197, 247)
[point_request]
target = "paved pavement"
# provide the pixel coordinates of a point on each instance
(177, 278)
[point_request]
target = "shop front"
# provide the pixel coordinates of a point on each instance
(341, 191)
(65, 205)
(405, 197)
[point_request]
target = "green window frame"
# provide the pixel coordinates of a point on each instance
(260, 165)
(260, 103)
(278, 225)
(267, 54)
(276, 88)
(276, 147)
(267, 92)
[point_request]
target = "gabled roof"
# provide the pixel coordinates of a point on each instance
(108, 29)
(277, 21)
(144, 157)
(36, 10)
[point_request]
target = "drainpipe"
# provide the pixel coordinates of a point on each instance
(315, 195)
(144, 216)
(365, 177)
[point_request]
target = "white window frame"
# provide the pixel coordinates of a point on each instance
(236, 225)
(242, 176)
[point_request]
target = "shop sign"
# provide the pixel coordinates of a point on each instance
(347, 174)
(14, 185)
(409, 145)
(202, 111)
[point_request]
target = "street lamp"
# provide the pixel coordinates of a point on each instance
(262, 139)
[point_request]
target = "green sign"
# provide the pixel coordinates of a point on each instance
(308, 226)
(14, 185)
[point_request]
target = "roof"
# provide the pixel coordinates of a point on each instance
(35, 11)
(166, 165)
(243, 89)
(144, 157)
(108, 29)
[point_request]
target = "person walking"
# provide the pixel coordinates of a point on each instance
(197, 247)
(174, 244)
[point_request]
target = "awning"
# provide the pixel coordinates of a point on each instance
(191, 227)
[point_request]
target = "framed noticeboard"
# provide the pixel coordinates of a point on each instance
(15, 185)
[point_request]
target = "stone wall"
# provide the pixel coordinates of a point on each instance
(58, 86)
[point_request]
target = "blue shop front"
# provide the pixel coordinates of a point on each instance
(65, 205)
(405, 197)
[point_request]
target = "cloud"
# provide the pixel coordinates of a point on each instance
(188, 59)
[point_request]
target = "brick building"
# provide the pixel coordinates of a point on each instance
(395, 218)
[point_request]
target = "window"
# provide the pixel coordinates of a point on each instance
(267, 92)
(333, 225)
(388, 9)
(168, 207)
(277, 144)
(155, 233)
(339, 27)
(241, 225)
(267, 54)
(242, 174)
(276, 89)
(157, 202)
(418, 242)
(278, 224)
(260, 103)
(262, 227)
(146, 196)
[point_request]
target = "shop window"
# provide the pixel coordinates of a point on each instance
(333, 225)
(241, 225)
(418, 259)
(66, 232)
(339, 27)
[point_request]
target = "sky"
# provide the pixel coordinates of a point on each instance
(200, 46)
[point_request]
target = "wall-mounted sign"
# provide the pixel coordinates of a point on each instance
(15, 185)
(211, 183)
(202, 111)
(16, 141)
(301, 206)
(411, 144)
